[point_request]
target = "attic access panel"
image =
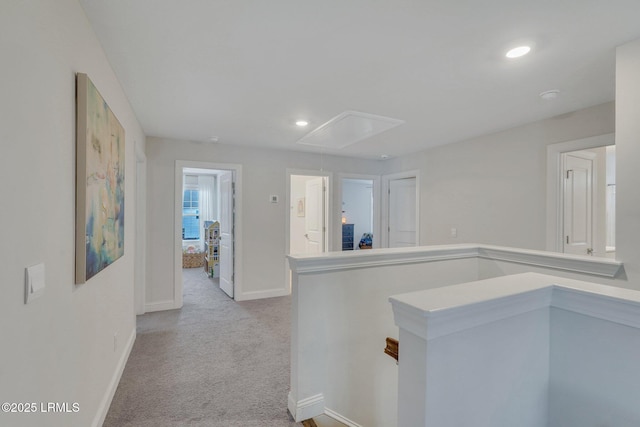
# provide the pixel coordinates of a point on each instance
(348, 128)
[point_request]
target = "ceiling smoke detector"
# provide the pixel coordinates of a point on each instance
(549, 95)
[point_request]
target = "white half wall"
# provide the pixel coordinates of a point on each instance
(341, 317)
(71, 344)
(527, 350)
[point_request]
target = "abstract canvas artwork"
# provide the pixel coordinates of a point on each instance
(99, 182)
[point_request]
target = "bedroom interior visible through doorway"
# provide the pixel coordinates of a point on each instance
(233, 272)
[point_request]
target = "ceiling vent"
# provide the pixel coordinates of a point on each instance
(348, 128)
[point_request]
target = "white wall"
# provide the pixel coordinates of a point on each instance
(594, 372)
(493, 188)
(59, 348)
(264, 224)
(627, 156)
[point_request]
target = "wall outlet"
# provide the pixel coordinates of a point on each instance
(454, 232)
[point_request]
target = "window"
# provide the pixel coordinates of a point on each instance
(190, 215)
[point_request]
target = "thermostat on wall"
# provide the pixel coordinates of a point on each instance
(273, 198)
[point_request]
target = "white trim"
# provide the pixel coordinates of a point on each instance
(105, 403)
(177, 238)
(377, 238)
(604, 267)
(438, 312)
(140, 269)
(384, 205)
(237, 236)
(554, 183)
(346, 421)
(269, 293)
(347, 260)
(614, 309)
(159, 306)
(334, 261)
(306, 408)
(467, 316)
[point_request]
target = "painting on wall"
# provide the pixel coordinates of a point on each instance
(99, 182)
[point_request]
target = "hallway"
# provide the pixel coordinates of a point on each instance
(215, 362)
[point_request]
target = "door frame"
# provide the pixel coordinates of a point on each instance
(237, 234)
(384, 214)
(555, 184)
(140, 271)
(337, 215)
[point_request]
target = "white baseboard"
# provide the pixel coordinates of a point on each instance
(306, 408)
(346, 421)
(160, 306)
(98, 420)
(246, 296)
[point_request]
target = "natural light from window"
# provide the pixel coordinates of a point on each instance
(190, 215)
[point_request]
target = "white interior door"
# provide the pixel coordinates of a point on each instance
(402, 212)
(578, 204)
(226, 232)
(315, 215)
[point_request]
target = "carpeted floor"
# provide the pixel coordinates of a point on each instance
(215, 362)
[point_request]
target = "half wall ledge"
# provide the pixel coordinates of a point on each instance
(334, 261)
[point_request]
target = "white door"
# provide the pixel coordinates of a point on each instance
(226, 232)
(402, 212)
(578, 204)
(314, 215)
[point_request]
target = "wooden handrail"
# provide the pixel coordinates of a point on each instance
(392, 348)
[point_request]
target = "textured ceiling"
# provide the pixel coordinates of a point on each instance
(245, 70)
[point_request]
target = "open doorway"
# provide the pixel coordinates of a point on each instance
(581, 196)
(589, 201)
(208, 223)
(359, 218)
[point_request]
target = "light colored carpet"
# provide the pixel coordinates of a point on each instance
(215, 362)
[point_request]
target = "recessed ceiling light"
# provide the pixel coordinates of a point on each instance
(214, 139)
(517, 52)
(302, 123)
(548, 95)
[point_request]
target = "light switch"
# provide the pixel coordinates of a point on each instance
(33, 283)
